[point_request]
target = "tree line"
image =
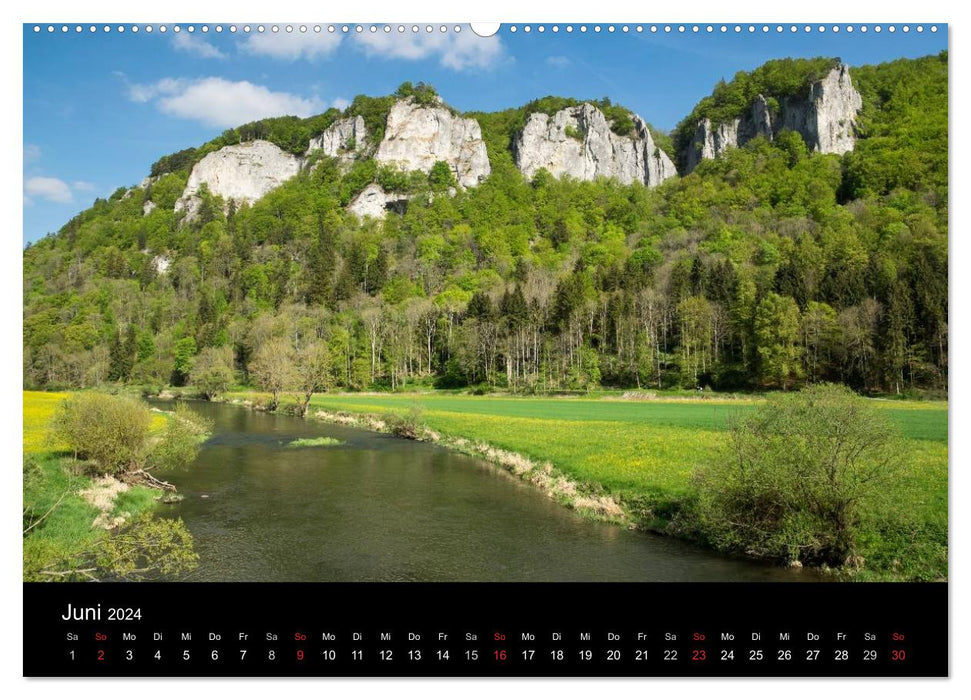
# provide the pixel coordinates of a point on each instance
(770, 267)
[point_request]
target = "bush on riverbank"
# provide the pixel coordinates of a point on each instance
(799, 479)
(179, 443)
(407, 425)
(111, 430)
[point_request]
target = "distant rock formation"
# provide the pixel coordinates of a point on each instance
(577, 141)
(828, 117)
(825, 118)
(417, 136)
(243, 172)
(343, 139)
(161, 264)
(374, 202)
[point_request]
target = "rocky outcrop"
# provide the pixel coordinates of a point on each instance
(161, 264)
(374, 202)
(243, 173)
(344, 139)
(417, 136)
(712, 140)
(825, 117)
(578, 142)
(148, 206)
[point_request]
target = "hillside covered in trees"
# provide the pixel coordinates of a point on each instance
(768, 267)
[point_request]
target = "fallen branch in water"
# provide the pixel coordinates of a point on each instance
(143, 478)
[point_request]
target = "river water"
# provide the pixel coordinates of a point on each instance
(378, 508)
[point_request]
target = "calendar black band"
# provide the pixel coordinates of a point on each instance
(474, 629)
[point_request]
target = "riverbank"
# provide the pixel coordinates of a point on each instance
(69, 511)
(631, 462)
(583, 498)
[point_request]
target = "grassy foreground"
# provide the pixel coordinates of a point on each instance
(70, 511)
(643, 454)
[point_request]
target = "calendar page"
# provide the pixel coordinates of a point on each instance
(425, 349)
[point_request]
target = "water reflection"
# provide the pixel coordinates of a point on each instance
(382, 509)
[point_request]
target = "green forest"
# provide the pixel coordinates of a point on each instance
(769, 268)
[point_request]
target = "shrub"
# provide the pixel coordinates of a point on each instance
(573, 133)
(111, 430)
(180, 440)
(409, 425)
(798, 477)
(422, 93)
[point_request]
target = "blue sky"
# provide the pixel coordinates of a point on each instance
(100, 108)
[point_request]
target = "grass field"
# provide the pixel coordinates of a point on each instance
(644, 453)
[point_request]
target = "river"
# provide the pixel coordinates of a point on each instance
(378, 508)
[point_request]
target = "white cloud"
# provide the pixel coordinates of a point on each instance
(340, 103)
(49, 188)
(468, 50)
(409, 46)
(557, 61)
(82, 186)
(222, 103)
(140, 92)
(456, 50)
(196, 45)
(31, 153)
(292, 46)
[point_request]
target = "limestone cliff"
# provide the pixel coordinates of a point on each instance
(417, 136)
(243, 172)
(344, 139)
(374, 202)
(577, 141)
(825, 117)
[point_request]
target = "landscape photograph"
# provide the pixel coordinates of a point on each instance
(413, 304)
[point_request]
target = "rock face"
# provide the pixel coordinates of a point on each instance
(825, 118)
(591, 149)
(148, 207)
(243, 173)
(161, 263)
(712, 140)
(417, 136)
(343, 139)
(375, 202)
